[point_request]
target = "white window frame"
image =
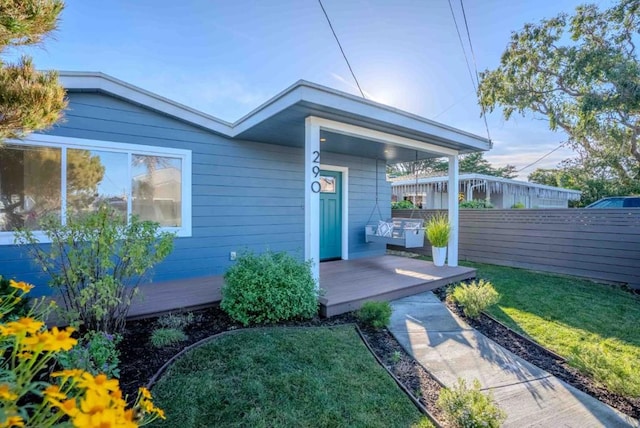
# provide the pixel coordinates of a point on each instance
(63, 143)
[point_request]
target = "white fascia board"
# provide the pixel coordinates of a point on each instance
(84, 81)
(381, 137)
(301, 91)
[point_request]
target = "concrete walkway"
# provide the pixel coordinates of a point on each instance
(449, 349)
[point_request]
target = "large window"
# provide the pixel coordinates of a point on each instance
(62, 177)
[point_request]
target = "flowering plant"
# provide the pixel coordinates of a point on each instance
(73, 396)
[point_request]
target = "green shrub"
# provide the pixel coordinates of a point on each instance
(474, 297)
(402, 205)
(20, 307)
(268, 288)
(176, 321)
(518, 205)
(162, 337)
(96, 352)
(476, 203)
(438, 230)
(469, 408)
(375, 314)
(96, 261)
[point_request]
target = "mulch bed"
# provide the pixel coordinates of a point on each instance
(544, 359)
(140, 360)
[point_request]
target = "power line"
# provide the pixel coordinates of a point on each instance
(341, 50)
(464, 51)
(475, 66)
(542, 157)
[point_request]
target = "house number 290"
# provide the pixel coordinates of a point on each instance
(315, 184)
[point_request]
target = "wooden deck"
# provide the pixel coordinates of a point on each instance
(350, 283)
(347, 284)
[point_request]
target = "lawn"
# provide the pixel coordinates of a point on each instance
(595, 326)
(283, 377)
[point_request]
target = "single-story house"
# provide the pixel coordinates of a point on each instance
(301, 173)
(432, 192)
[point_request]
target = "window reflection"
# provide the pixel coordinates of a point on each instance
(95, 177)
(157, 189)
(29, 185)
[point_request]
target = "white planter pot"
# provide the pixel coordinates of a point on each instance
(439, 255)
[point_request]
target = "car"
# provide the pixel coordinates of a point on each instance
(617, 202)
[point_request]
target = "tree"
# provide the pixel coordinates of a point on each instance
(30, 100)
(582, 74)
(469, 163)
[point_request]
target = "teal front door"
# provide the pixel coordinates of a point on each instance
(330, 215)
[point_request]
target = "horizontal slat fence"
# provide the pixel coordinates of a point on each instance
(601, 244)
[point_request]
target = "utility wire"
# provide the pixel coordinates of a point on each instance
(474, 81)
(542, 157)
(341, 50)
(464, 51)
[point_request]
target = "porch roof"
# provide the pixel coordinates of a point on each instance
(281, 120)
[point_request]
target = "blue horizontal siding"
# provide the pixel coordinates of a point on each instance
(246, 196)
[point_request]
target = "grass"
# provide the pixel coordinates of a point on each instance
(281, 377)
(595, 326)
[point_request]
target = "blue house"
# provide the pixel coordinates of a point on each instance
(301, 173)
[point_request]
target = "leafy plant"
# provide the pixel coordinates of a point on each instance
(176, 321)
(438, 230)
(20, 307)
(402, 205)
(163, 337)
(375, 314)
(96, 261)
(518, 205)
(28, 398)
(268, 288)
(476, 203)
(474, 297)
(96, 352)
(469, 407)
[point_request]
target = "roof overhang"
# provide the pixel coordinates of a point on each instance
(281, 120)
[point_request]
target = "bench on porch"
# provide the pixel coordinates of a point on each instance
(405, 232)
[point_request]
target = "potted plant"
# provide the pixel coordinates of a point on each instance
(438, 230)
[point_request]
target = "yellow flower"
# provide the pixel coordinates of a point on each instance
(160, 413)
(59, 340)
(12, 421)
(106, 418)
(75, 374)
(94, 402)
(25, 325)
(53, 391)
(68, 407)
(6, 394)
(145, 392)
(23, 286)
(98, 383)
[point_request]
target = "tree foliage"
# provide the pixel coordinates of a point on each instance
(469, 163)
(582, 74)
(30, 100)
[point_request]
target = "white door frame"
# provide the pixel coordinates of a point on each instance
(345, 205)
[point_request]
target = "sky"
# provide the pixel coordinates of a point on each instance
(226, 57)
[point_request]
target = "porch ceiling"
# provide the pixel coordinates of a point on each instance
(287, 127)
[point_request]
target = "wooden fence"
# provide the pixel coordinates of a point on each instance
(601, 244)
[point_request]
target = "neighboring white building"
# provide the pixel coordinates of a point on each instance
(432, 192)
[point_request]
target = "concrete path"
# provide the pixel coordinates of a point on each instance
(531, 397)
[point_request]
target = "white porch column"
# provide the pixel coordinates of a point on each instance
(312, 196)
(453, 189)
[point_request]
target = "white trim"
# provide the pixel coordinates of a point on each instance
(345, 205)
(302, 92)
(312, 199)
(382, 137)
(63, 143)
(453, 211)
